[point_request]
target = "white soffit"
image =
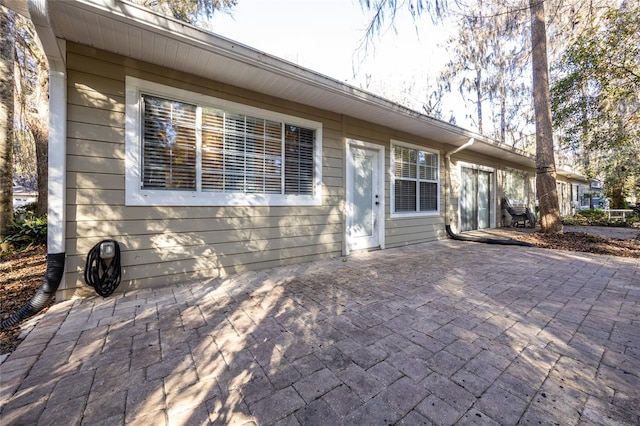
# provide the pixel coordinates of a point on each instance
(129, 30)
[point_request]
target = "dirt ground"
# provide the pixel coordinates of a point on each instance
(21, 274)
(583, 241)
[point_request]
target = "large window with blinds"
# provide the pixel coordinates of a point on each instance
(191, 149)
(416, 184)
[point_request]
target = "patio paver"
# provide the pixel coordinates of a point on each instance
(444, 333)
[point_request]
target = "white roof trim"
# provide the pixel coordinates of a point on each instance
(168, 42)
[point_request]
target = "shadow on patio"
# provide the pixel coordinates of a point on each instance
(441, 333)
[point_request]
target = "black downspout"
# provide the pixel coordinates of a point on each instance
(508, 242)
(52, 279)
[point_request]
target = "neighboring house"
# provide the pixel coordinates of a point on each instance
(23, 196)
(591, 195)
(571, 189)
(204, 157)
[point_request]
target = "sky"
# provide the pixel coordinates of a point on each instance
(325, 36)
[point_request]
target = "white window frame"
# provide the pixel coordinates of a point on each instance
(392, 180)
(135, 195)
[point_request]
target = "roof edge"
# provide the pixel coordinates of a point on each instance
(218, 44)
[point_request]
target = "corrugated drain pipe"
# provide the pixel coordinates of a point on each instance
(503, 242)
(52, 278)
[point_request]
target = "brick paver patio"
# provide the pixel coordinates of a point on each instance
(438, 333)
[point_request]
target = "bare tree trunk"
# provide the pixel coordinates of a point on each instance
(479, 97)
(7, 52)
(545, 160)
(39, 127)
(35, 100)
(40, 132)
(503, 107)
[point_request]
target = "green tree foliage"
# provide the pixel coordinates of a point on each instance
(26, 230)
(596, 100)
(489, 63)
(194, 12)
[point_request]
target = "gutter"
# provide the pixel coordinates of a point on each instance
(466, 145)
(38, 9)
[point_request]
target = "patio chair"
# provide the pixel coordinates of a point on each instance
(519, 215)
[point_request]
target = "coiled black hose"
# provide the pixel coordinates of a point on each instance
(52, 278)
(103, 275)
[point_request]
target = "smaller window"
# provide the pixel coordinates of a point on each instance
(415, 180)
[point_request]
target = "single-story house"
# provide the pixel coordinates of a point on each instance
(204, 157)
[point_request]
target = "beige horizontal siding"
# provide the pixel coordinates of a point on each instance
(96, 116)
(95, 132)
(163, 245)
(97, 100)
(286, 215)
(84, 148)
(170, 244)
(180, 231)
(402, 231)
(84, 179)
(170, 272)
(205, 275)
(94, 164)
(193, 248)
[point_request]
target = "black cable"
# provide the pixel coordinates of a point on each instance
(103, 275)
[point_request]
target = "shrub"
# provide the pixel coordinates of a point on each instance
(576, 220)
(593, 214)
(596, 217)
(27, 230)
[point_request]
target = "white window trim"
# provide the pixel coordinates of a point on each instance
(135, 195)
(392, 180)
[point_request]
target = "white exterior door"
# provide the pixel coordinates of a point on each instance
(364, 197)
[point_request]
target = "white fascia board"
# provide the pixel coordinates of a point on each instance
(146, 20)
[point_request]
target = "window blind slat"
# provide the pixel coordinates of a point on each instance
(415, 180)
(169, 144)
(238, 153)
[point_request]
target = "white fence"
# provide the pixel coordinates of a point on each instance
(618, 213)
